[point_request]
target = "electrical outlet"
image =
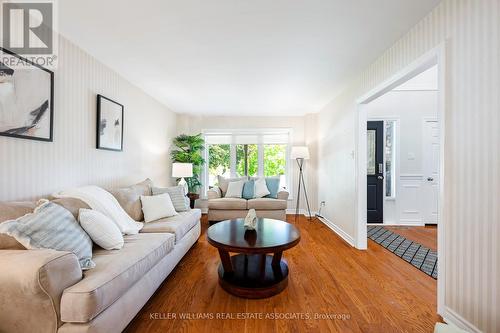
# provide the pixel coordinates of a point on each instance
(323, 204)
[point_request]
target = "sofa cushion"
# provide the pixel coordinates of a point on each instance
(51, 226)
(72, 204)
(12, 211)
(176, 193)
(273, 185)
(114, 274)
(266, 204)
(178, 225)
(129, 198)
(224, 182)
(249, 189)
(227, 203)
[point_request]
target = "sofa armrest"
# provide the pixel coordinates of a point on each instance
(214, 193)
(283, 195)
(31, 286)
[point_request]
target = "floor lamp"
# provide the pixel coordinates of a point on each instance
(300, 154)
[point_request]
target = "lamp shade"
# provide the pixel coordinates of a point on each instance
(180, 170)
(299, 152)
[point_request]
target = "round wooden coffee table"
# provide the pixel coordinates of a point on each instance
(253, 273)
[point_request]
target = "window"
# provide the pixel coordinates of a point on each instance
(253, 153)
(390, 138)
(247, 160)
(275, 162)
(371, 152)
(219, 162)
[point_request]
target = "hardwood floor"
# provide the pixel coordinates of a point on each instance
(426, 236)
(368, 291)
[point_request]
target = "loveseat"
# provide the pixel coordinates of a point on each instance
(223, 208)
(46, 290)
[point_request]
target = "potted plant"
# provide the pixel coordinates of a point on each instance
(189, 149)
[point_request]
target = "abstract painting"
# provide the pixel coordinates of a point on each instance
(109, 124)
(26, 98)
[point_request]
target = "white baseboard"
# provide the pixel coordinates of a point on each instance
(291, 211)
(453, 318)
(346, 237)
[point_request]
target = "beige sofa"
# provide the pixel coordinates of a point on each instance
(46, 291)
(221, 208)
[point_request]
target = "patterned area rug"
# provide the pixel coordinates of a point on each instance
(418, 255)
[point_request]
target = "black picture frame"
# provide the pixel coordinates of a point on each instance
(51, 102)
(99, 145)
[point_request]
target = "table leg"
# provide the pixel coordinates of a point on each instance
(226, 261)
(277, 259)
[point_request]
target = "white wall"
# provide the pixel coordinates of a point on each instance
(31, 169)
(471, 30)
(409, 108)
(303, 133)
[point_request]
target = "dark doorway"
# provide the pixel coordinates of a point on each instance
(375, 172)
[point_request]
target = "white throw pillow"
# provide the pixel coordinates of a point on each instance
(235, 189)
(104, 202)
(101, 229)
(261, 189)
(157, 207)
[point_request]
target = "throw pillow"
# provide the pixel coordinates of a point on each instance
(104, 202)
(249, 189)
(261, 189)
(235, 189)
(180, 201)
(273, 185)
(11, 211)
(130, 198)
(223, 183)
(101, 229)
(157, 207)
(71, 204)
(51, 226)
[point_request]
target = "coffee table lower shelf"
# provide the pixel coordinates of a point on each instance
(254, 276)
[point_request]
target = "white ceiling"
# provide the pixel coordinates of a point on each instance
(239, 57)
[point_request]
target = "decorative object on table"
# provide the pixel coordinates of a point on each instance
(251, 220)
(109, 134)
(26, 98)
(300, 154)
(189, 149)
(181, 170)
(252, 273)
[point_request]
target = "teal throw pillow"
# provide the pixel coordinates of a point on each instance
(273, 185)
(248, 189)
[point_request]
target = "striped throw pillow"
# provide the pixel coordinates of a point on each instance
(180, 201)
(51, 226)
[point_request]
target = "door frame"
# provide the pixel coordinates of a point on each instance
(436, 56)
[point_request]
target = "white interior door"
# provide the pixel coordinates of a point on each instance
(431, 171)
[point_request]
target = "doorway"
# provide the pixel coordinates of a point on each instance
(432, 58)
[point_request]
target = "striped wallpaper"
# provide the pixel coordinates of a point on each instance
(471, 29)
(30, 169)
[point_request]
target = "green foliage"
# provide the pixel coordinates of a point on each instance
(274, 160)
(189, 149)
(253, 160)
(219, 159)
